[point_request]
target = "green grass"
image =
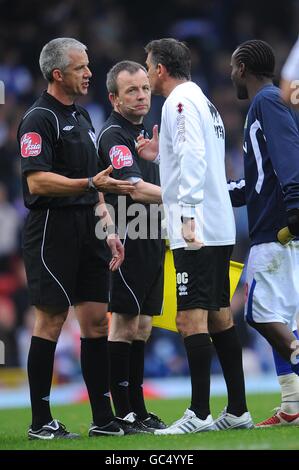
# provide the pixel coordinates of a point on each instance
(14, 423)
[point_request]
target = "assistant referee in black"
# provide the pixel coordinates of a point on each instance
(136, 293)
(65, 263)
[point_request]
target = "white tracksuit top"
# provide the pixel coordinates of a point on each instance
(192, 169)
(290, 70)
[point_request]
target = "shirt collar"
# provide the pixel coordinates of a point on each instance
(125, 122)
(67, 109)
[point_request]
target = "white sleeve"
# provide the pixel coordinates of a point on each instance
(134, 179)
(189, 147)
(290, 70)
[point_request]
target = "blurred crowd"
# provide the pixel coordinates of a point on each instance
(115, 30)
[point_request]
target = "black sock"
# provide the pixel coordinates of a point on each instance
(199, 353)
(119, 359)
(95, 371)
(40, 371)
(229, 351)
(136, 379)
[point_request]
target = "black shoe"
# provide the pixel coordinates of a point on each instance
(153, 422)
(111, 429)
(131, 425)
(52, 430)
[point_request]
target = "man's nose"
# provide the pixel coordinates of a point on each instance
(141, 95)
(88, 72)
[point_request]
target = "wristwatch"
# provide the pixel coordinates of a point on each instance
(91, 186)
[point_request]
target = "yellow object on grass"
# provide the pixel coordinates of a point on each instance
(167, 319)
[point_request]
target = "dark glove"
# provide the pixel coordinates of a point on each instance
(293, 221)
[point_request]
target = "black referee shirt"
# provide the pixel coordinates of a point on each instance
(59, 139)
(117, 147)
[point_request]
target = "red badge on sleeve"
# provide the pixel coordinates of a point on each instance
(120, 156)
(31, 144)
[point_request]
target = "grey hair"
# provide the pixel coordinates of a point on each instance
(54, 55)
(127, 65)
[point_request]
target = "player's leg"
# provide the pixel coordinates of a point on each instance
(273, 295)
(46, 332)
(44, 339)
(281, 338)
(229, 351)
(289, 383)
(226, 341)
(49, 272)
(123, 330)
(288, 412)
(122, 345)
(192, 324)
(91, 300)
(152, 305)
(271, 308)
(136, 376)
(128, 287)
(93, 320)
(136, 372)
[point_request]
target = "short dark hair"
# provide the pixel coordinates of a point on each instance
(257, 56)
(173, 54)
(128, 65)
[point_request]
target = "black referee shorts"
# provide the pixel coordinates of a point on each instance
(137, 286)
(202, 277)
(65, 262)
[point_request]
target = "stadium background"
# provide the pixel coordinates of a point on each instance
(115, 30)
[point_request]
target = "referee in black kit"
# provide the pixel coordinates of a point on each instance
(65, 263)
(137, 287)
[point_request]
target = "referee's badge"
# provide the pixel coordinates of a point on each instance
(120, 156)
(31, 144)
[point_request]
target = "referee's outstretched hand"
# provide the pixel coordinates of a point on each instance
(106, 184)
(148, 149)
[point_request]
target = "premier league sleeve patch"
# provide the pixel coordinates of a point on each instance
(120, 156)
(31, 144)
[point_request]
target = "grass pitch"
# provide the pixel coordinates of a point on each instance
(14, 424)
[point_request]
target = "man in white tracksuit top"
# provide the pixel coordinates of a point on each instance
(192, 168)
(201, 230)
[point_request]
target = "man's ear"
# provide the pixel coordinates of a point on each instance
(242, 69)
(112, 98)
(57, 75)
(161, 70)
